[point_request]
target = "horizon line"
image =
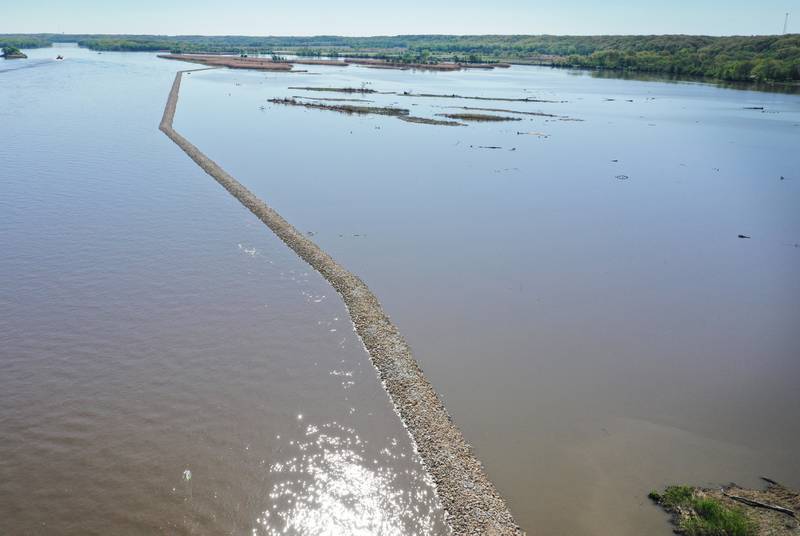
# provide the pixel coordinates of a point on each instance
(403, 35)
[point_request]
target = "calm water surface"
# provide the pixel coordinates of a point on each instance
(594, 337)
(167, 366)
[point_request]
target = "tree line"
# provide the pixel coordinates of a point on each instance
(737, 58)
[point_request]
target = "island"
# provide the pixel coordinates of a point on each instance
(13, 53)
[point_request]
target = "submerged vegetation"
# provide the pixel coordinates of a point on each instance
(505, 110)
(430, 121)
(455, 96)
(400, 113)
(738, 58)
(450, 118)
(363, 90)
(480, 117)
(343, 108)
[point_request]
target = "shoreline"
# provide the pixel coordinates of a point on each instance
(472, 503)
(231, 62)
(260, 63)
(772, 510)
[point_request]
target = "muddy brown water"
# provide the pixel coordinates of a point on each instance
(168, 366)
(594, 338)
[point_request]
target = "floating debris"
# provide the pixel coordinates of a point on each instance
(337, 63)
(480, 117)
(343, 108)
(187, 475)
(336, 89)
(330, 99)
(455, 96)
(429, 121)
(539, 114)
(537, 134)
(622, 177)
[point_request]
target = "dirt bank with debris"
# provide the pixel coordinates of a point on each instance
(232, 62)
(731, 509)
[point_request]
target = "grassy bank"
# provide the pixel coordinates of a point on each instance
(700, 515)
(731, 510)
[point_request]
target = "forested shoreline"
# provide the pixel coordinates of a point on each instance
(736, 58)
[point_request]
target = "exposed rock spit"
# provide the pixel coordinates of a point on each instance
(473, 505)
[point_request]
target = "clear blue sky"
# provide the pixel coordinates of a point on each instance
(375, 17)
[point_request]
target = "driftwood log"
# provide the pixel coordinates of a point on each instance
(759, 504)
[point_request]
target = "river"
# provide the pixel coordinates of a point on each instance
(576, 291)
(167, 365)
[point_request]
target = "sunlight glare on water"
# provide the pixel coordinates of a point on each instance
(328, 486)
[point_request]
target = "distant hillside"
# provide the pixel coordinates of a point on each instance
(739, 58)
